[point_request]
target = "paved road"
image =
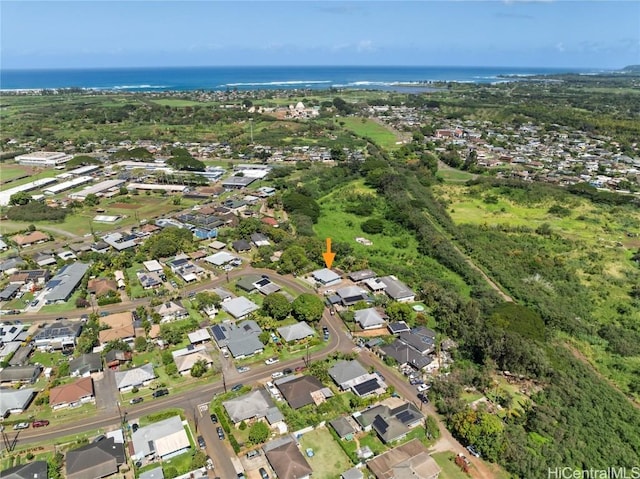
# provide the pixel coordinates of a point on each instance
(190, 400)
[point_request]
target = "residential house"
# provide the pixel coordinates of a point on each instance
(241, 246)
(259, 240)
(37, 277)
(350, 295)
(200, 336)
(303, 390)
(362, 275)
(101, 286)
(11, 265)
(119, 276)
(153, 266)
(155, 473)
(296, 331)
(286, 459)
(120, 242)
(3, 246)
(391, 420)
(62, 285)
(267, 220)
(100, 247)
(247, 283)
(136, 377)
(242, 339)
(44, 259)
(57, 336)
(220, 258)
(266, 286)
(186, 362)
(15, 401)
(20, 374)
(149, 280)
(73, 394)
(162, 440)
(30, 239)
(353, 473)
(253, 406)
(185, 269)
(411, 459)
(30, 470)
(85, 365)
(95, 460)
(239, 307)
(369, 318)
(397, 290)
(120, 327)
(116, 357)
(352, 375)
(344, 426)
(171, 310)
(326, 277)
(9, 292)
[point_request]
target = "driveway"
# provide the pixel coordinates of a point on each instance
(106, 392)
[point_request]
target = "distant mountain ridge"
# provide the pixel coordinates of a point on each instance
(632, 68)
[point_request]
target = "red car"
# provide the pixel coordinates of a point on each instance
(40, 423)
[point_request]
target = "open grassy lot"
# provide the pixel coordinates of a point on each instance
(592, 243)
(80, 222)
(393, 248)
(9, 171)
(329, 460)
(374, 131)
(449, 468)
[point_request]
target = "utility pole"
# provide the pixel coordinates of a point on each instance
(251, 127)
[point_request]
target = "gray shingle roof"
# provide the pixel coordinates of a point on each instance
(296, 331)
(255, 404)
(345, 371)
(65, 282)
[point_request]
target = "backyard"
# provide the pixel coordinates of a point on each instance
(328, 460)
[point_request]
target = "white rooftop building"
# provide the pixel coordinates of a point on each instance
(43, 158)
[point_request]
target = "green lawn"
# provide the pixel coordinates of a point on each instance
(451, 175)
(329, 460)
(19, 303)
(450, 470)
(66, 307)
(372, 130)
(391, 249)
(10, 171)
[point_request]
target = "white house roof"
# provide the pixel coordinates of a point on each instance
(346, 371)
(296, 331)
(239, 307)
(199, 335)
(325, 275)
(134, 377)
(14, 399)
(152, 266)
(368, 318)
(162, 437)
(220, 258)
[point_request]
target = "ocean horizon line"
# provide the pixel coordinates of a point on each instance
(389, 65)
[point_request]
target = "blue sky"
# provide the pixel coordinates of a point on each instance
(560, 33)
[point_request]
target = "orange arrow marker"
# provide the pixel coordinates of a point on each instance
(328, 255)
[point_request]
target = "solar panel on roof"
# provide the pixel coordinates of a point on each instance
(217, 332)
(367, 387)
(380, 424)
(405, 417)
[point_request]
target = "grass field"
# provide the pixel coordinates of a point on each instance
(80, 222)
(451, 175)
(392, 247)
(374, 131)
(329, 460)
(600, 257)
(9, 171)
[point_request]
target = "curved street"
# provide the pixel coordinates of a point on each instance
(203, 393)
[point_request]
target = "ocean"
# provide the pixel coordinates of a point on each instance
(253, 78)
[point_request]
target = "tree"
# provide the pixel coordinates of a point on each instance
(399, 312)
(277, 306)
(140, 344)
(170, 334)
(21, 198)
(294, 259)
(91, 200)
(199, 368)
(373, 226)
(258, 433)
(307, 307)
(206, 299)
